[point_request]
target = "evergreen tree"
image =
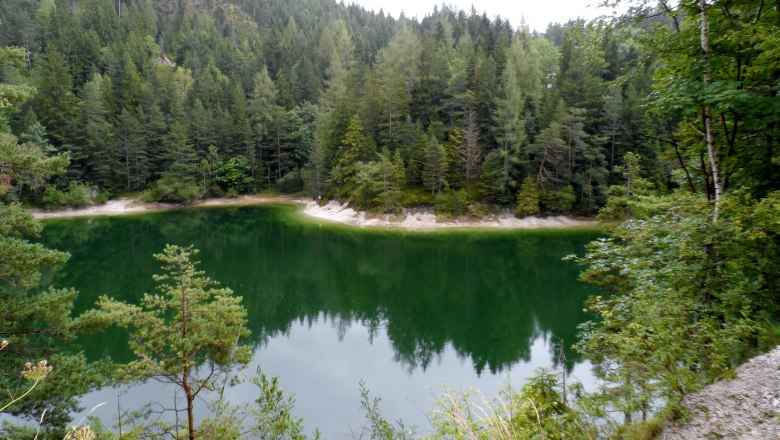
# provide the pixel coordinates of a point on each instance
(188, 323)
(57, 108)
(397, 68)
(435, 166)
(528, 198)
(132, 152)
(98, 141)
(469, 147)
(355, 147)
(29, 306)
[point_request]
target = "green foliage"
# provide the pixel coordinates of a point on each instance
(557, 201)
(170, 188)
(273, 416)
(187, 323)
(31, 373)
(434, 168)
(234, 175)
(270, 418)
(26, 165)
(77, 195)
(733, 81)
(685, 298)
(416, 197)
(538, 411)
(28, 306)
(377, 427)
(631, 200)
(528, 198)
(644, 430)
(452, 203)
(14, 94)
(322, 96)
(496, 178)
(290, 183)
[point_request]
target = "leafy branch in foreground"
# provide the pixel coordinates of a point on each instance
(377, 427)
(684, 299)
(270, 419)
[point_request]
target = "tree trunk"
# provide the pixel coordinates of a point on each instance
(127, 164)
(185, 376)
(278, 154)
(706, 113)
(185, 380)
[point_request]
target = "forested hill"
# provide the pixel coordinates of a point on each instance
(191, 98)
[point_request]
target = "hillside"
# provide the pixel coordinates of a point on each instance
(211, 98)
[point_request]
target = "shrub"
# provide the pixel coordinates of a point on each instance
(558, 201)
(451, 203)
(416, 197)
(235, 176)
(291, 182)
(77, 195)
(170, 188)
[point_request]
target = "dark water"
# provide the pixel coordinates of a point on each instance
(329, 306)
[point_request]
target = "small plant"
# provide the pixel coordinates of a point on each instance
(35, 373)
(377, 427)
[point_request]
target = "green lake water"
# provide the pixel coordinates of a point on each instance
(329, 305)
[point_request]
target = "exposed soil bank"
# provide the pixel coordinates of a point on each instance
(746, 407)
(412, 219)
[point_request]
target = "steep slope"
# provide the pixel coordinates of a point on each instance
(746, 407)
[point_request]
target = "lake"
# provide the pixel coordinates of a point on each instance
(330, 305)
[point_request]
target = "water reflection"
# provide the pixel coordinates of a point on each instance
(460, 305)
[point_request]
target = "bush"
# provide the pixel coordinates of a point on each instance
(77, 195)
(558, 201)
(451, 203)
(234, 176)
(416, 197)
(173, 189)
(291, 182)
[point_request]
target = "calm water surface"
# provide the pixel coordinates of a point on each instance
(329, 306)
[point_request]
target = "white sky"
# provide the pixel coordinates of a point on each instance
(537, 13)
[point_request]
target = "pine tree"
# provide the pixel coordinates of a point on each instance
(131, 150)
(397, 69)
(355, 147)
(188, 323)
(435, 166)
(29, 307)
(469, 147)
(528, 198)
(57, 108)
(98, 140)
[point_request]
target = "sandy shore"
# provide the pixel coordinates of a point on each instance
(332, 212)
(131, 206)
(424, 219)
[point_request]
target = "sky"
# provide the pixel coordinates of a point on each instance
(537, 13)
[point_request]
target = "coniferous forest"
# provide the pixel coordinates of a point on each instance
(191, 99)
(664, 123)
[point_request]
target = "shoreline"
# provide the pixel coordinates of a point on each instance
(333, 212)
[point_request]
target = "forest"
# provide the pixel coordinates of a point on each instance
(663, 122)
(198, 99)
